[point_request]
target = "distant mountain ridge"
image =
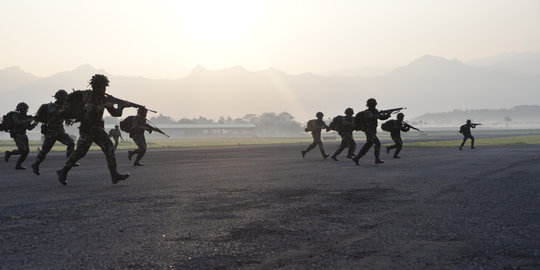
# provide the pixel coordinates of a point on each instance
(428, 84)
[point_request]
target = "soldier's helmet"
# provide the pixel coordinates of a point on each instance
(116, 126)
(349, 111)
(142, 111)
(61, 94)
(371, 102)
(319, 115)
(22, 107)
(400, 116)
(99, 80)
(468, 121)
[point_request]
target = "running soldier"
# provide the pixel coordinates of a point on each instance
(315, 126)
(466, 131)
(52, 115)
(344, 127)
(369, 118)
(90, 107)
(136, 132)
(395, 127)
(17, 122)
(115, 134)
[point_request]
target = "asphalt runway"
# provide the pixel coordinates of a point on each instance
(264, 207)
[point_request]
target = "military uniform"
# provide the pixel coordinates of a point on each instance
(396, 127)
(316, 127)
(466, 131)
(115, 134)
(138, 127)
(21, 123)
(92, 129)
(371, 116)
(345, 130)
(52, 116)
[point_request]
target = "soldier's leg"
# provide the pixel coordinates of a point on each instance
(68, 141)
(102, 139)
(463, 143)
(23, 148)
(399, 146)
(393, 146)
(115, 142)
(141, 143)
(48, 143)
(342, 146)
(321, 148)
(377, 144)
(472, 141)
(83, 144)
(352, 146)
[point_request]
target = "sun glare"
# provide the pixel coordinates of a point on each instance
(220, 22)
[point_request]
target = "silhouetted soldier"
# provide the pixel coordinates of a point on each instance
(92, 129)
(136, 132)
(396, 127)
(345, 130)
(52, 115)
(370, 117)
(466, 131)
(115, 134)
(20, 122)
(315, 126)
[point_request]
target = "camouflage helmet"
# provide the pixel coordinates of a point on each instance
(319, 114)
(22, 107)
(400, 116)
(371, 102)
(99, 80)
(61, 94)
(349, 111)
(468, 121)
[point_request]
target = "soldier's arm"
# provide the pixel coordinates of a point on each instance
(116, 112)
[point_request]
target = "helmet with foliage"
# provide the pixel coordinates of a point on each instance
(61, 94)
(99, 80)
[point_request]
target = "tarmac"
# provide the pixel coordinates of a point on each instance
(266, 207)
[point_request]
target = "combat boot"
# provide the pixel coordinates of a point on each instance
(334, 157)
(378, 160)
(20, 167)
(62, 175)
(325, 156)
(35, 168)
(6, 157)
(303, 153)
(115, 176)
(130, 154)
(395, 156)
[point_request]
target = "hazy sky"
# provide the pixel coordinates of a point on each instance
(166, 39)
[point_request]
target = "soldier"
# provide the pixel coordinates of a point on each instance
(92, 128)
(345, 130)
(370, 117)
(396, 127)
(136, 132)
(315, 126)
(20, 122)
(466, 131)
(115, 134)
(52, 116)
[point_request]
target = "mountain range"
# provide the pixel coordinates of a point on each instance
(429, 84)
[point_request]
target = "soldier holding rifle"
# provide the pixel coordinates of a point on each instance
(466, 131)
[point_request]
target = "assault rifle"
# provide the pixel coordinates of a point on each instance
(391, 111)
(156, 129)
(125, 103)
(476, 124)
(411, 127)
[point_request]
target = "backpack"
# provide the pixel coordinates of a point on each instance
(7, 121)
(336, 123)
(388, 125)
(125, 125)
(462, 129)
(359, 122)
(310, 125)
(42, 113)
(75, 102)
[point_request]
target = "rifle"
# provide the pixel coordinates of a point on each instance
(411, 127)
(391, 111)
(126, 103)
(476, 124)
(156, 129)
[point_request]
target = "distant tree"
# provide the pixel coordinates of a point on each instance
(221, 120)
(162, 119)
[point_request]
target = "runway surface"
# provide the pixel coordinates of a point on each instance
(264, 207)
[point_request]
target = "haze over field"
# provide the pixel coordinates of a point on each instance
(231, 58)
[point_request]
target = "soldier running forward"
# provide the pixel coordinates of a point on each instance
(136, 132)
(52, 115)
(17, 122)
(466, 131)
(396, 127)
(315, 126)
(370, 117)
(92, 128)
(115, 134)
(344, 127)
